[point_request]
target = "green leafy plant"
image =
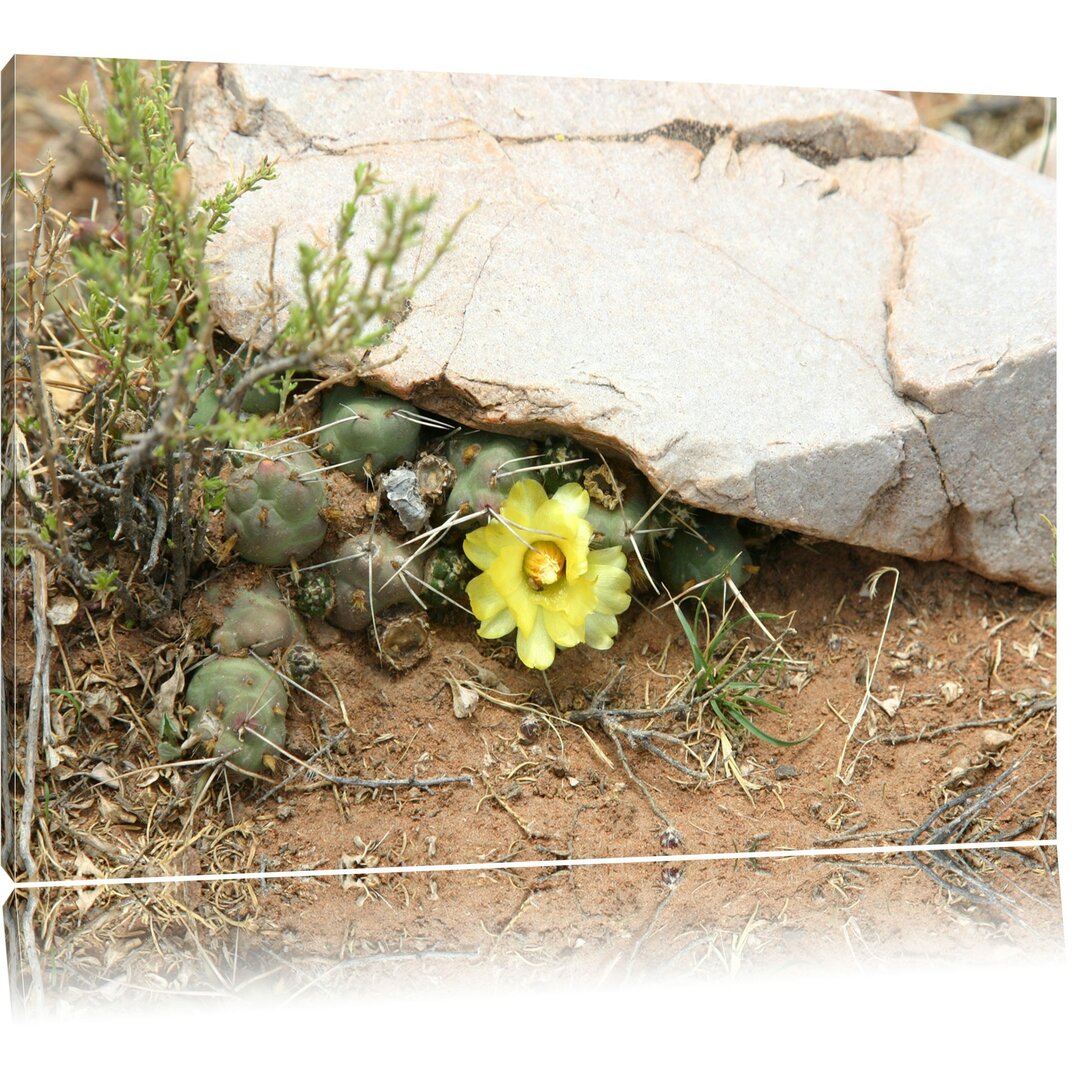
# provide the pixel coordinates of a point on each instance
(730, 670)
(104, 583)
(128, 305)
(343, 311)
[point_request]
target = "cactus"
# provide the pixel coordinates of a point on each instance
(620, 528)
(561, 454)
(315, 594)
(259, 620)
(362, 580)
(369, 431)
(235, 699)
(612, 527)
(686, 559)
(274, 508)
(301, 662)
(260, 400)
(447, 571)
(480, 459)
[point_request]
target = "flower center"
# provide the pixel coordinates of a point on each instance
(544, 564)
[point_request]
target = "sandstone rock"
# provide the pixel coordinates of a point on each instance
(793, 306)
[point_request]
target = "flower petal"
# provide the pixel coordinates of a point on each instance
(484, 597)
(573, 498)
(600, 631)
(561, 630)
(478, 549)
(525, 499)
(498, 625)
(537, 650)
(612, 590)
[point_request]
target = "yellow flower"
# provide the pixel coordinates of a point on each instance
(540, 577)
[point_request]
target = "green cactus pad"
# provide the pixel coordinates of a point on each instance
(301, 662)
(274, 508)
(448, 571)
(685, 559)
(483, 463)
(234, 698)
(315, 593)
(370, 432)
(259, 620)
(362, 580)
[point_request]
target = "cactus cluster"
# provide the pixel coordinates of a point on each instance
(240, 706)
(364, 433)
(276, 507)
(273, 505)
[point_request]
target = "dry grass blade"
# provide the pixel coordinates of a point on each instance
(869, 589)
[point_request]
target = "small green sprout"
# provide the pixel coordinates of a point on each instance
(104, 583)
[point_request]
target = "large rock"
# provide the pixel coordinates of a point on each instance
(793, 306)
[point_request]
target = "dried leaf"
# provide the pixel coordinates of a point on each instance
(951, 691)
(488, 679)
(105, 774)
(63, 610)
(102, 704)
(114, 814)
(465, 699)
(891, 705)
(165, 700)
(85, 868)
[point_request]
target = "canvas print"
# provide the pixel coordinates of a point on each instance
(424, 491)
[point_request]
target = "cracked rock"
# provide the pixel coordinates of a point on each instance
(789, 305)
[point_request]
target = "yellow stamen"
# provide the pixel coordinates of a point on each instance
(544, 564)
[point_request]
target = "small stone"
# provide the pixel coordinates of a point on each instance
(993, 740)
(786, 772)
(529, 731)
(951, 691)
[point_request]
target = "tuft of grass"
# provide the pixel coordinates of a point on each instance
(730, 671)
